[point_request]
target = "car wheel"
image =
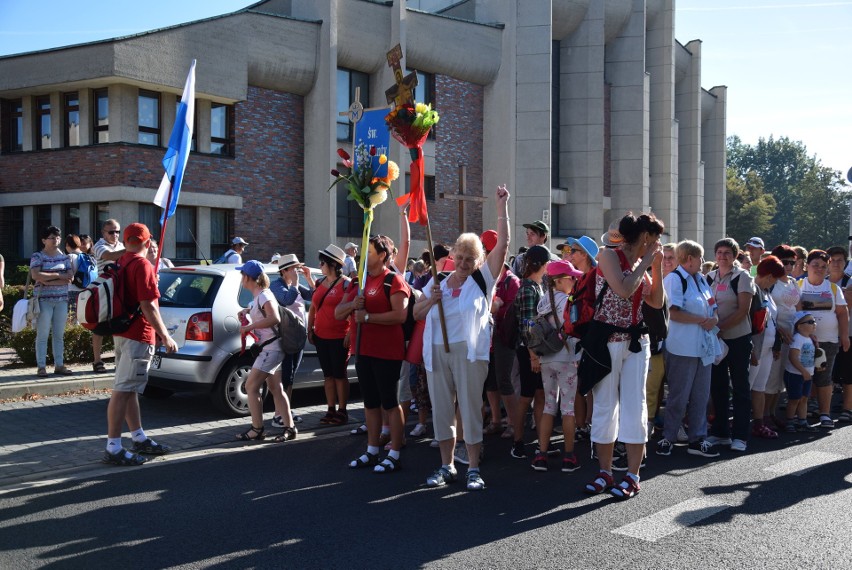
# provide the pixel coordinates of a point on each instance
(157, 393)
(229, 393)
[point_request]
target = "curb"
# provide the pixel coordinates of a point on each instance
(18, 389)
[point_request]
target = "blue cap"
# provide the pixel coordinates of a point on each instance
(588, 245)
(252, 268)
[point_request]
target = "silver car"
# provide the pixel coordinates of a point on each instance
(199, 305)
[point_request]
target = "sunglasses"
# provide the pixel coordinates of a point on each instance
(574, 250)
(114, 232)
(789, 262)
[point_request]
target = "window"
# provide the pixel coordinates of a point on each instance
(13, 126)
(194, 126)
(101, 116)
(350, 216)
(149, 118)
(70, 220)
(221, 229)
(149, 214)
(43, 220)
(425, 92)
(100, 215)
(428, 186)
(11, 236)
(71, 117)
(184, 231)
(42, 122)
(221, 117)
(347, 82)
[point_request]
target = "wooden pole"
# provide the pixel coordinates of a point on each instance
(435, 280)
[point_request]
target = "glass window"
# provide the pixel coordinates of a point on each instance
(71, 117)
(184, 223)
(101, 116)
(101, 215)
(149, 118)
(347, 82)
(220, 129)
(425, 92)
(71, 219)
(42, 221)
(221, 229)
(428, 186)
(149, 214)
(13, 125)
(182, 289)
(350, 216)
(11, 236)
(43, 122)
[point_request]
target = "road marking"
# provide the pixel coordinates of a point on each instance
(399, 496)
(668, 521)
(802, 463)
(311, 488)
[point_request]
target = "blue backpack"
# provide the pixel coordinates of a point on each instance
(87, 271)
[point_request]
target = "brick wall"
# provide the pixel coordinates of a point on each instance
(267, 171)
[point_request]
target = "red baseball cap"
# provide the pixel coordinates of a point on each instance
(489, 239)
(137, 231)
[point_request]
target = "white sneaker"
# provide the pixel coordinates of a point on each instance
(460, 454)
(682, 437)
(418, 431)
(715, 440)
(738, 445)
(278, 422)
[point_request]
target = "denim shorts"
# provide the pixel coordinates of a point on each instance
(797, 386)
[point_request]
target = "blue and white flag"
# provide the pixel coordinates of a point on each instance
(178, 152)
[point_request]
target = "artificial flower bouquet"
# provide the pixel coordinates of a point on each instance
(362, 183)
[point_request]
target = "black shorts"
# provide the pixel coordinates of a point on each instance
(379, 381)
(333, 356)
(842, 372)
(530, 381)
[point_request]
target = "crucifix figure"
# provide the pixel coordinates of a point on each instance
(403, 91)
(461, 197)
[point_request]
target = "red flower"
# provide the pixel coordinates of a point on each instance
(343, 154)
(372, 151)
(335, 173)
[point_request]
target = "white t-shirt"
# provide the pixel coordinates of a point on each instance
(821, 300)
(786, 297)
(807, 351)
(102, 246)
(264, 334)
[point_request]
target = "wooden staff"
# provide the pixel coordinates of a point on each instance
(435, 278)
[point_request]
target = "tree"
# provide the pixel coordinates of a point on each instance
(812, 201)
(749, 208)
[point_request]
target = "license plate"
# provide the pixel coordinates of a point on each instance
(155, 362)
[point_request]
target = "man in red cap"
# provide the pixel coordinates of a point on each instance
(134, 349)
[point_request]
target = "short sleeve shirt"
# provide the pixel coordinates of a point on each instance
(728, 301)
(807, 352)
(140, 284)
(325, 301)
(263, 334)
(821, 300)
(685, 339)
(58, 263)
(786, 297)
(382, 341)
(102, 246)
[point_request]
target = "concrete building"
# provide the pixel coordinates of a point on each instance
(584, 108)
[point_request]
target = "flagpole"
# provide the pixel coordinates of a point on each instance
(163, 226)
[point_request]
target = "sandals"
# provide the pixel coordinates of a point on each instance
(601, 483)
(339, 418)
(63, 371)
(627, 489)
(289, 433)
(121, 459)
(360, 430)
(366, 460)
(763, 431)
(491, 429)
(328, 418)
(845, 416)
(388, 465)
(99, 366)
(41, 372)
(150, 447)
(258, 434)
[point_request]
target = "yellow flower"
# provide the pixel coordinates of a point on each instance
(383, 158)
(393, 171)
(421, 108)
(377, 198)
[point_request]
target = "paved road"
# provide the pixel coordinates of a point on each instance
(784, 504)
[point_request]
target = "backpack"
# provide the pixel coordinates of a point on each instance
(507, 327)
(101, 307)
(224, 257)
(292, 334)
(758, 311)
(543, 337)
(87, 271)
(582, 304)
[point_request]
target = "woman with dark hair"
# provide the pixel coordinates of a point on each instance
(72, 248)
(799, 269)
(769, 271)
(620, 409)
(329, 335)
(732, 290)
(380, 310)
(785, 294)
(264, 323)
(529, 364)
(51, 270)
(86, 243)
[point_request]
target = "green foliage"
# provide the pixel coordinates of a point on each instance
(78, 345)
(811, 200)
(18, 276)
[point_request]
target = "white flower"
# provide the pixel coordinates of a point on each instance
(377, 198)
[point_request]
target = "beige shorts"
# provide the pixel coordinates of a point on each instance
(132, 361)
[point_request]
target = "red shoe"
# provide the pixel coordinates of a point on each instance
(627, 489)
(763, 431)
(601, 483)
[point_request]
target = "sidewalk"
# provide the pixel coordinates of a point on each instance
(17, 381)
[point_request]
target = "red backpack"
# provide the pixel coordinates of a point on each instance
(101, 307)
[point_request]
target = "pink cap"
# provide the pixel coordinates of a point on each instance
(562, 267)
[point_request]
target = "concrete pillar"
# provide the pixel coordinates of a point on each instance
(713, 151)
(203, 230)
(28, 240)
(57, 219)
(660, 45)
(202, 125)
(629, 134)
(581, 127)
(168, 110)
(28, 107)
(690, 179)
(87, 224)
(124, 211)
(57, 136)
(85, 99)
(123, 113)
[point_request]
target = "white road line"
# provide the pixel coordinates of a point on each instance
(668, 521)
(802, 463)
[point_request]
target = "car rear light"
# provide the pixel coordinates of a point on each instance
(200, 327)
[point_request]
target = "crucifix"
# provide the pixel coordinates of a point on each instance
(403, 91)
(461, 197)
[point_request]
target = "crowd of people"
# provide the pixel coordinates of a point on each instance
(459, 346)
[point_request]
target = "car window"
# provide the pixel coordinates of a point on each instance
(180, 289)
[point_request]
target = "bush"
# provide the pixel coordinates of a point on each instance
(18, 276)
(78, 345)
(11, 295)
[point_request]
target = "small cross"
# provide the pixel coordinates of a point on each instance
(355, 112)
(403, 91)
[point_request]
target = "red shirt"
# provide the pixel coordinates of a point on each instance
(382, 341)
(326, 300)
(140, 284)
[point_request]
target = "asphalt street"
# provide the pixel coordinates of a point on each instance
(783, 504)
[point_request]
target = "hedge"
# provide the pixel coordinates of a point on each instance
(78, 345)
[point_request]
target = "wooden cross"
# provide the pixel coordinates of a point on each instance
(461, 197)
(403, 91)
